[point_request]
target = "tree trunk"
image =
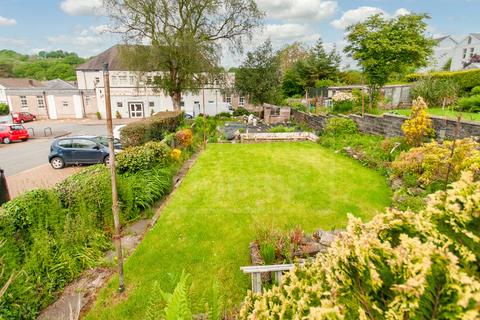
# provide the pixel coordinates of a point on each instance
(177, 99)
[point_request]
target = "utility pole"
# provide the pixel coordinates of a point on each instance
(115, 209)
(204, 118)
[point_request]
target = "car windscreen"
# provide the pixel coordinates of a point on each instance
(104, 141)
(17, 127)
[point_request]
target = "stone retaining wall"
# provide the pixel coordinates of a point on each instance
(390, 125)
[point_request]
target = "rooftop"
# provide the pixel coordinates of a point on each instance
(110, 56)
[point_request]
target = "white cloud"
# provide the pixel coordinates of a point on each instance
(362, 13)
(82, 7)
(295, 10)
(7, 22)
(402, 12)
(356, 15)
(280, 34)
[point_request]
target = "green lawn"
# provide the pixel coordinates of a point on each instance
(468, 116)
(206, 227)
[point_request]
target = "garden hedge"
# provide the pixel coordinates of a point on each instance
(48, 237)
(154, 128)
(465, 79)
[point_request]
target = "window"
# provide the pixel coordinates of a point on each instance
(149, 80)
(119, 105)
(182, 103)
(83, 144)
(241, 101)
(114, 80)
(67, 143)
(97, 80)
(151, 104)
(211, 101)
(472, 50)
(40, 102)
(23, 101)
(228, 99)
(122, 79)
(132, 79)
(464, 53)
(65, 104)
(469, 40)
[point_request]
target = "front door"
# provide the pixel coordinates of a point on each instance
(136, 109)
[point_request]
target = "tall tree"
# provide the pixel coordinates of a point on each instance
(383, 46)
(259, 75)
(290, 54)
(317, 64)
(184, 37)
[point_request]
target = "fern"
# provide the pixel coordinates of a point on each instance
(215, 306)
(178, 304)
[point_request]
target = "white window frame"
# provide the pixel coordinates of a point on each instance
(464, 53)
(228, 99)
(119, 104)
(151, 104)
(65, 104)
(40, 102)
(241, 101)
(24, 101)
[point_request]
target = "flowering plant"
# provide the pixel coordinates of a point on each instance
(176, 153)
(419, 126)
(184, 137)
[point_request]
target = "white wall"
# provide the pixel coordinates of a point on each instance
(3, 95)
(458, 52)
(52, 107)
(442, 53)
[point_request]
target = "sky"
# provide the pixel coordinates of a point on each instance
(28, 26)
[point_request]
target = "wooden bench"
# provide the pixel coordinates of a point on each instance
(256, 273)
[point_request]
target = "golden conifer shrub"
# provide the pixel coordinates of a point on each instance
(419, 126)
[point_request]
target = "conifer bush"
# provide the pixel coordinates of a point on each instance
(419, 126)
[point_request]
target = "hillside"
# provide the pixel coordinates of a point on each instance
(43, 66)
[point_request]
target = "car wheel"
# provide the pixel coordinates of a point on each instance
(57, 163)
(34, 118)
(6, 140)
(24, 139)
(106, 160)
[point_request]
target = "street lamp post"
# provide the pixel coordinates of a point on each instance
(115, 209)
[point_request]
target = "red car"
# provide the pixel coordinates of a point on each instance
(13, 132)
(21, 117)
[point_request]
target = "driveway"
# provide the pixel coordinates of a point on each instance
(20, 156)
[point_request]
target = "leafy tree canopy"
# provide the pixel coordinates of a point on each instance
(384, 46)
(44, 66)
(259, 76)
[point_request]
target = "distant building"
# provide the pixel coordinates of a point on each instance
(133, 94)
(458, 50)
(465, 49)
(443, 52)
(55, 99)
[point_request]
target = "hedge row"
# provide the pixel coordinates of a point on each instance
(151, 129)
(50, 236)
(465, 79)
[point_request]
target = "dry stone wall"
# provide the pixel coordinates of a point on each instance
(390, 125)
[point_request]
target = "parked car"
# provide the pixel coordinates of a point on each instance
(117, 145)
(77, 150)
(13, 132)
(21, 117)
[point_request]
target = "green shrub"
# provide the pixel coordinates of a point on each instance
(224, 115)
(340, 126)
(267, 251)
(4, 109)
(466, 80)
(47, 245)
(281, 129)
(435, 91)
(141, 190)
(240, 111)
(475, 90)
(140, 158)
(469, 104)
(154, 128)
(345, 106)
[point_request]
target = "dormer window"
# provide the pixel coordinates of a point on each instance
(469, 40)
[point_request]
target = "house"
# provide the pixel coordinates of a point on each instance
(133, 94)
(443, 52)
(464, 50)
(55, 99)
(6, 83)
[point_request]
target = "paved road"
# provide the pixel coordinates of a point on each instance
(20, 156)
